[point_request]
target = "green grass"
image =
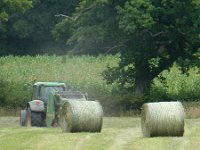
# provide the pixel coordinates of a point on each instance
(117, 134)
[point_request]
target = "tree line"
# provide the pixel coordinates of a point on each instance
(150, 35)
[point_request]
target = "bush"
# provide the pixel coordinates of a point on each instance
(172, 84)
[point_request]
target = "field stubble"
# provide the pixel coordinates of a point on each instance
(118, 133)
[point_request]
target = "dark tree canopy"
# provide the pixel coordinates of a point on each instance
(93, 28)
(158, 34)
(9, 7)
(149, 34)
(30, 32)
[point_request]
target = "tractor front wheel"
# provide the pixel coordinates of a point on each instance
(23, 117)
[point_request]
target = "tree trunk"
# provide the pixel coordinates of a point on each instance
(142, 80)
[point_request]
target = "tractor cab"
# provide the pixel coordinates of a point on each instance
(41, 90)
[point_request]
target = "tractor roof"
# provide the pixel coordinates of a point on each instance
(49, 83)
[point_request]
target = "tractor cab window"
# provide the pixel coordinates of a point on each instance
(45, 90)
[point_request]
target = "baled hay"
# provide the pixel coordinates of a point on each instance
(162, 119)
(81, 116)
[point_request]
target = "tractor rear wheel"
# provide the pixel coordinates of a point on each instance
(35, 119)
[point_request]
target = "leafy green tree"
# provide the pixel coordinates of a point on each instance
(30, 32)
(93, 28)
(158, 33)
(8, 7)
(149, 34)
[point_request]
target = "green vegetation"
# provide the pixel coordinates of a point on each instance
(173, 84)
(8, 10)
(150, 37)
(9, 7)
(155, 34)
(84, 73)
(117, 133)
(29, 32)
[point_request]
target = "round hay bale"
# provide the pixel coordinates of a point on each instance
(162, 119)
(81, 116)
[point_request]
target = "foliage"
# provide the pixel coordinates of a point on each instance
(174, 85)
(150, 36)
(82, 73)
(8, 7)
(157, 35)
(63, 30)
(93, 25)
(30, 32)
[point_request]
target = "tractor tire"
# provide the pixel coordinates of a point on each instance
(35, 119)
(23, 117)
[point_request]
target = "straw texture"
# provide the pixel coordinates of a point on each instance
(162, 119)
(81, 116)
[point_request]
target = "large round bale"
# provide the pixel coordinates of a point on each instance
(162, 119)
(81, 116)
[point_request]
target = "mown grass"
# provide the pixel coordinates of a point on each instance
(19, 138)
(117, 134)
(190, 140)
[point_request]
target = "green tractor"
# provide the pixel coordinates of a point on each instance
(47, 100)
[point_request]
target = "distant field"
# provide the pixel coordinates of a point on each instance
(85, 74)
(82, 73)
(117, 134)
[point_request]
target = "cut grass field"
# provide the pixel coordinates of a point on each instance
(118, 133)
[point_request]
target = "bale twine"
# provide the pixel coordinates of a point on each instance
(81, 116)
(162, 119)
